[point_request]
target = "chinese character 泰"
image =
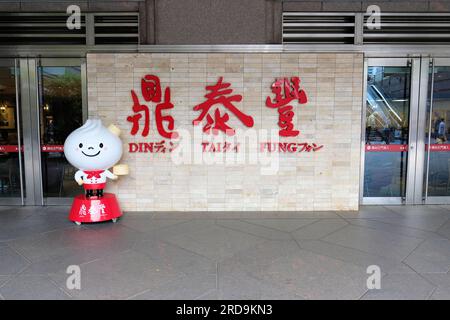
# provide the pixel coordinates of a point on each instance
(220, 94)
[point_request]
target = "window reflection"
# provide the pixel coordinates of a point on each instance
(387, 125)
(60, 114)
(9, 151)
(437, 134)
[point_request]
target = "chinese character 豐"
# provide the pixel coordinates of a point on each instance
(286, 90)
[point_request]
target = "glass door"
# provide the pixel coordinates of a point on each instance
(389, 135)
(61, 111)
(12, 187)
(41, 102)
(436, 186)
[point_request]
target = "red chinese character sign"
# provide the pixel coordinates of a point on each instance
(220, 94)
(215, 111)
(151, 91)
(286, 90)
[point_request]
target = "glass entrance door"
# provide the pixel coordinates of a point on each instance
(12, 187)
(60, 112)
(437, 147)
(389, 135)
(41, 102)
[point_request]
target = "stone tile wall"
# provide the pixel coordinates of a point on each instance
(327, 179)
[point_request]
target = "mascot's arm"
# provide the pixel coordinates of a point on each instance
(110, 175)
(79, 177)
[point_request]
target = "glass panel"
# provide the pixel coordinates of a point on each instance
(387, 130)
(437, 134)
(60, 111)
(9, 148)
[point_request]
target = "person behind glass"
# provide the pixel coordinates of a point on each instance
(371, 126)
(442, 130)
(437, 121)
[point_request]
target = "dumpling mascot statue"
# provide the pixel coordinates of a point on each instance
(93, 149)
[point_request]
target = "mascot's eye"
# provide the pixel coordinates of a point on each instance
(80, 145)
(101, 145)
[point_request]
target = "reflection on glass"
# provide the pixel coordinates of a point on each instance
(437, 134)
(9, 150)
(60, 114)
(387, 126)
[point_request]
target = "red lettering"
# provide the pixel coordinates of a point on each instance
(220, 94)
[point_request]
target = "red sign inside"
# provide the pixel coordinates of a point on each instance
(438, 147)
(386, 147)
(44, 148)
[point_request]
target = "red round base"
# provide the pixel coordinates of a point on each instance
(95, 209)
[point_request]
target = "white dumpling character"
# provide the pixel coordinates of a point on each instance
(93, 149)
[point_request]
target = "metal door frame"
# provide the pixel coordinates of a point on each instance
(415, 65)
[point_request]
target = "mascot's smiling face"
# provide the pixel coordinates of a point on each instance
(93, 147)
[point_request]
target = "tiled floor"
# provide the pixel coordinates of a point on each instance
(277, 255)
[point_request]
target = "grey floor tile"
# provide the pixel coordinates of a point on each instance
(255, 258)
(118, 277)
(441, 280)
(232, 255)
(3, 279)
(445, 206)
(319, 229)
(281, 224)
(401, 286)
(208, 239)
(306, 274)
(13, 214)
(378, 242)
(254, 229)
(108, 239)
(433, 255)
(35, 223)
(188, 227)
(354, 256)
(248, 215)
(442, 283)
(422, 210)
(444, 230)
(314, 276)
(56, 250)
(423, 222)
(240, 286)
(304, 214)
(36, 247)
(176, 259)
(393, 228)
(369, 212)
(186, 287)
(147, 224)
(10, 261)
(32, 288)
(441, 294)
